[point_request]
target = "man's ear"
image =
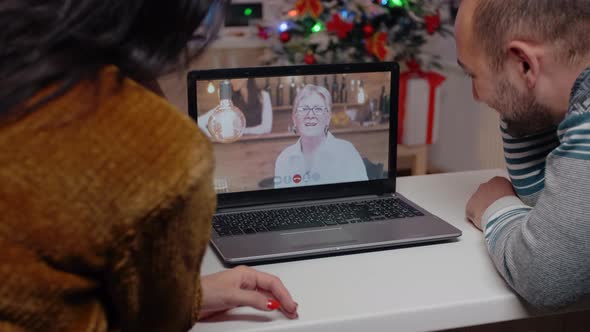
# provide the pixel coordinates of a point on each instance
(525, 58)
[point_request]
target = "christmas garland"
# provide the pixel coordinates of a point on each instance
(315, 31)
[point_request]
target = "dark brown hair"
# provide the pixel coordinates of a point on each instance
(563, 23)
(65, 41)
(253, 107)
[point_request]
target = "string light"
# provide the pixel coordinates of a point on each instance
(396, 3)
(317, 27)
(283, 27)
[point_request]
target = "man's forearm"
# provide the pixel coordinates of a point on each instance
(542, 252)
(526, 162)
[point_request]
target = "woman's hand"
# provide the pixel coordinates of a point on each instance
(244, 286)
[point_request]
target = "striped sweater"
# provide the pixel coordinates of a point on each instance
(540, 240)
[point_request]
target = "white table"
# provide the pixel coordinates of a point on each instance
(423, 288)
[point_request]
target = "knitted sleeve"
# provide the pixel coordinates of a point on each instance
(526, 160)
(542, 251)
(154, 282)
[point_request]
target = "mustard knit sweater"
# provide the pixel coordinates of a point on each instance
(106, 198)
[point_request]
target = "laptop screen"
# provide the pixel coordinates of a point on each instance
(296, 131)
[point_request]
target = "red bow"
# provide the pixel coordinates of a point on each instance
(313, 7)
(263, 32)
(343, 28)
(434, 80)
(376, 45)
(432, 23)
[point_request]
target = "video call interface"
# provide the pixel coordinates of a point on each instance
(296, 131)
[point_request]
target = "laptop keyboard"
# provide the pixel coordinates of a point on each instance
(312, 216)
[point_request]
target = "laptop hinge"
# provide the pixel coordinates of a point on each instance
(303, 203)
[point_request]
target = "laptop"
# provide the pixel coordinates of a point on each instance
(305, 162)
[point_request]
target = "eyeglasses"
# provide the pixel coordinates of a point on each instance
(317, 110)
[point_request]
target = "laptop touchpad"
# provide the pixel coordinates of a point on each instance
(320, 238)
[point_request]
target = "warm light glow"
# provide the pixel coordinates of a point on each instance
(293, 13)
(226, 123)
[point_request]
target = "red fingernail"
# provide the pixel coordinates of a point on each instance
(273, 304)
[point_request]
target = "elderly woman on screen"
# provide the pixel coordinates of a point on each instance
(317, 157)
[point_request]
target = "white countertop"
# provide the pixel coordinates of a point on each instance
(421, 288)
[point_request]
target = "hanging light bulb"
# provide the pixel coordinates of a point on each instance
(210, 88)
(227, 122)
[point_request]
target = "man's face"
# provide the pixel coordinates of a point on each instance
(502, 91)
(520, 111)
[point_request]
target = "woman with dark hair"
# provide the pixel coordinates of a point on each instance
(254, 103)
(105, 189)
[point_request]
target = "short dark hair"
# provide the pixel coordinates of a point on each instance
(65, 41)
(561, 23)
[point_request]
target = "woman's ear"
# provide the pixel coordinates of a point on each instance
(525, 59)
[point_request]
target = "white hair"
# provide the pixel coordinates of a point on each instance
(311, 89)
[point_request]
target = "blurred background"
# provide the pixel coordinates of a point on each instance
(444, 129)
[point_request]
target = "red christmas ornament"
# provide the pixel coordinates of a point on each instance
(309, 58)
(368, 30)
(263, 32)
(432, 23)
(285, 36)
(339, 26)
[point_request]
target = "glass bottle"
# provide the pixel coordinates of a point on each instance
(343, 91)
(302, 84)
(374, 111)
(382, 100)
(292, 91)
(360, 95)
(279, 92)
(268, 88)
(335, 92)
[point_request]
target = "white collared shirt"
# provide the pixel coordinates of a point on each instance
(335, 161)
